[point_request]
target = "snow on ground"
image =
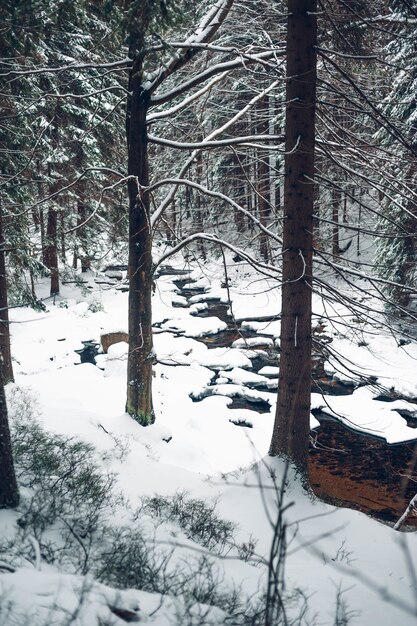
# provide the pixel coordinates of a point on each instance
(195, 446)
(377, 357)
(362, 412)
(271, 329)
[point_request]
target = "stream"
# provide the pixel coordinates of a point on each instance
(346, 467)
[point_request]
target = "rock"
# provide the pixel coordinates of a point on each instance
(115, 275)
(108, 339)
(125, 614)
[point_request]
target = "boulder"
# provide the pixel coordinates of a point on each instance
(108, 339)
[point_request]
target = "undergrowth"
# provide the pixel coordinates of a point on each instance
(66, 519)
(196, 517)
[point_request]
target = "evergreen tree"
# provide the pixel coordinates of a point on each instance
(9, 494)
(396, 253)
(291, 428)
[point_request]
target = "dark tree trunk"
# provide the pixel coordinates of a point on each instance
(264, 195)
(85, 258)
(43, 238)
(4, 312)
(198, 205)
(51, 255)
(291, 428)
(336, 201)
(277, 190)
(140, 359)
(239, 194)
(62, 237)
(9, 494)
(317, 239)
(62, 243)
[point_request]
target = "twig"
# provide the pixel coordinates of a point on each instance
(411, 508)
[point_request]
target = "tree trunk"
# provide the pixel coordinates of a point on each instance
(9, 493)
(62, 237)
(239, 194)
(291, 428)
(263, 189)
(141, 357)
(4, 312)
(51, 256)
(43, 237)
(83, 254)
(198, 205)
(336, 201)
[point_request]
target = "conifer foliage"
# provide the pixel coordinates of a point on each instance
(396, 253)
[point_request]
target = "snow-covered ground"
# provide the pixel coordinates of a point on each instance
(194, 447)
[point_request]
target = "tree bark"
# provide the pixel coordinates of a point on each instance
(9, 493)
(83, 254)
(51, 255)
(62, 237)
(291, 428)
(239, 193)
(141, 356)
(263, 189)
(198, 205)
(336, 201)
(4, 312)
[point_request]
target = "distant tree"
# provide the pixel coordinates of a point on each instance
(9, 493)
(61, 130)
(396, 254)
(5, 350)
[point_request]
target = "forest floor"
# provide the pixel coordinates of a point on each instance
(214, 395)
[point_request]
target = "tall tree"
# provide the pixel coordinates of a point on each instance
(396, 253)
(9, 493)
(291, 428)
(5, 351)
(142, 86)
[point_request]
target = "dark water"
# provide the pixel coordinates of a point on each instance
(260, 406)
(362, 472)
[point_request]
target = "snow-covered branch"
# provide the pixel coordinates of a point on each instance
(220, 196)
(219, 143)
(247, 59)
(204, 33)
(69, 67)
(215, 133)
(263, 268)
(187, 101)
(411, 508)
(83, 174)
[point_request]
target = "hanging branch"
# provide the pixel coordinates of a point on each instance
(410, 510)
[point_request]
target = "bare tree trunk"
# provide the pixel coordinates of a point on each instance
(140, 358)
(62, 236)
(43, 238)
(4, 312)
(9, 493)
(51, 256)
(239, 194)
(264, 196)
(292, 421)
(198, 205)
(336, 201)
(83, 254)
(317, 239)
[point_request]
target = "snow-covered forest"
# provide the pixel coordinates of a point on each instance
(208, 307)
